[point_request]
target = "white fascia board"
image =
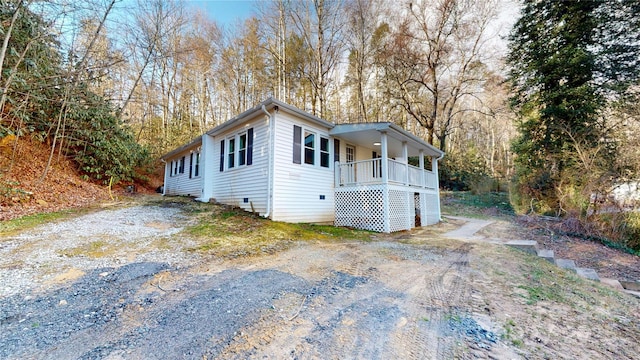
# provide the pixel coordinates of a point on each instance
(269, 104)
(401, 134)
(188, 146)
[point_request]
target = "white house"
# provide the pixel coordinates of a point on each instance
(288, 165)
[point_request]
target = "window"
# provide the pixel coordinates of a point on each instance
(351, 153)
(324, 152)
(238, 152)
(196, 171)
(181, 165)
(194, 165)
(309, 148)
(242, 149)
(231, 154)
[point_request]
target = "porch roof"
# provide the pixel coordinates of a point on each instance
(366, 134)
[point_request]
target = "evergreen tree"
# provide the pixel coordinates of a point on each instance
(563, 72)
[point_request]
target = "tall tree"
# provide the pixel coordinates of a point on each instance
(319, 24)
(436, 58)
(364, 18)
(563, 73)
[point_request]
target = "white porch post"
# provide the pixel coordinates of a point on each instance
(411, 209)
(384, 164)
(384, 161)
(207, 167)
(405, 156)
(423, 184)
(434, 168)
(421, 162)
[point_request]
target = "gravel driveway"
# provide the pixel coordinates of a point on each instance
(119, 284)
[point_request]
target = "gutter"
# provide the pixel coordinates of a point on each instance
(269, 161)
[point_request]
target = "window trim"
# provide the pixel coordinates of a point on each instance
(300, 148)
(196, 171)
(242, 151)
(306, 133)
(231, 155)
(326, 152)
(233, 160)
(353, 154)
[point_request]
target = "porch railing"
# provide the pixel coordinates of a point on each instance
(370, 172)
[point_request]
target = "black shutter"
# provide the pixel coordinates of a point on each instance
(190, 165)
(250, 146)
(297, 144)
(221, 155)
(336, 150)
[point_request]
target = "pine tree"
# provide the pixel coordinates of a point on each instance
(563, 73)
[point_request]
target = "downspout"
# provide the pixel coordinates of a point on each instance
(269, 162)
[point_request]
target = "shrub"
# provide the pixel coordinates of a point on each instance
(466, 171)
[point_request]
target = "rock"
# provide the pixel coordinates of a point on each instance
(63, 302)
(103, 274)
(42, 202)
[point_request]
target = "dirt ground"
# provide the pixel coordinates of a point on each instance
(140, 294)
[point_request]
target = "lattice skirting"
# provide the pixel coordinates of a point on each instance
(401, 210)
(363, 208)
(431, 209)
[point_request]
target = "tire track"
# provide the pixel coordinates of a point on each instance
(447, 291)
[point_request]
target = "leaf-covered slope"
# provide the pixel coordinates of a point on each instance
(21, 192)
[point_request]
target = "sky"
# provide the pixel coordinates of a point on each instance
(225, 12)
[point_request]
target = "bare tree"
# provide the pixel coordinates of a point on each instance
(435, 58)
(362, 43)
(319, 24)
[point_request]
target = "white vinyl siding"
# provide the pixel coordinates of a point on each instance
(302, 192)
(179, 182)
(246, 179)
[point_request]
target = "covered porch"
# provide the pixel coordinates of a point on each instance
(386, 193)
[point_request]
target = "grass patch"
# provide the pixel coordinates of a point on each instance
(95, 249)
(466, 203)
(510, 334)
(13, 226)
(232, 232)
(543, 283)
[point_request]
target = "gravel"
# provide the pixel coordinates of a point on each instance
(124, 230)
(143, 301)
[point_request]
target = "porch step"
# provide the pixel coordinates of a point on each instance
(547, 255)
(588, 274)
(630, 285)
(566, 264)
(612, 283)
(529, 246)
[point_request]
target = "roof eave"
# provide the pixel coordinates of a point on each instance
(385, 126)
(268, 104)
(190, 145)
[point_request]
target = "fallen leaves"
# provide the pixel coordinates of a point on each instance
(21, 191)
